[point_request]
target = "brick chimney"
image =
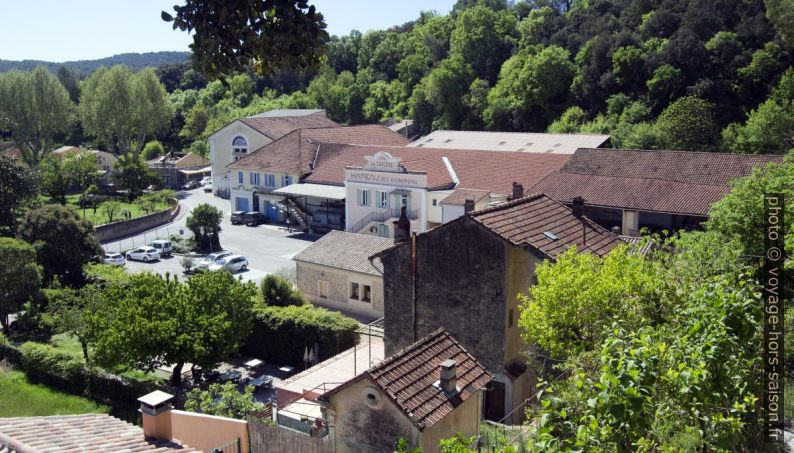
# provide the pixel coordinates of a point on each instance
(577, 207)
(468, 206)
(518, 191)
(156, 415)
(448, 381)
(402, 227)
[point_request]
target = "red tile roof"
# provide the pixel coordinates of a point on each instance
(545, 225)
(295, 152)
(89, 432)
(277, 127)
(408, 378)
(482, 170)
(460, 195)
(680, 182)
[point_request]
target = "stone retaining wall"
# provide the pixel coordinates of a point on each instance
(117, 230)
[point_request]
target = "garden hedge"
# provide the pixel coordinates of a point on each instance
(281, 334)
(46, 365)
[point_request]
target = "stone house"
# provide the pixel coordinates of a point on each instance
(426, 392)
(335, 272)
(175, 169)
(631, 189)
(466, 276)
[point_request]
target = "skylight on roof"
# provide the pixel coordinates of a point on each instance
(529, 144)
(447, 140)
(502, 143)
(429, 140)
(550, 235)
(557, 145)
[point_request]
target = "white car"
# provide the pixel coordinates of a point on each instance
(144, 254)
(232, 263)
(210, 259)
(117, 259)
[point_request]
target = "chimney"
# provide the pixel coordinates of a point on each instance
(616, 230)
(518, 191)
(402, 227)
(448, 380)
(578, 207)
(156, 415)
(468, 206)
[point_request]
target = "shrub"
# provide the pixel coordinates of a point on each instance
(279, 292)
(281, 334)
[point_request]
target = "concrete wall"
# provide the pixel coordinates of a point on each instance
(465, 419)
(308, 275)
(460, 286)
(520, 276)
(434, 212)
(206, 432)
(356, 427)
(116, 230)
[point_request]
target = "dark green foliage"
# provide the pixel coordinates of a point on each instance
(268, 34)
(689, 124)
(205, 223)
(133, 175)
(20, 276)
(278, 292)
(17, 186)
(136, 61)
(224, 400)
(281, 334)
(63, 241)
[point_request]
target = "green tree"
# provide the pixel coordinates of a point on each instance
(445, 87)
(148, 202)
(278, 292)
(267, 34)
(224, 400)
(123, 108)
(63, 241)
(20, 276)
(689, 124)
(152, 150)
(569, 122)
(195, 122)
(152, 321)
(205, 223)
(70, 310)
(82, 169)
(35, 108)
(484, 39)
(111, 208)
(781, 14)
(17, 186)
(133, 175)
(54, 180)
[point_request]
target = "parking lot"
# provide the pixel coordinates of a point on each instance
(268, 248)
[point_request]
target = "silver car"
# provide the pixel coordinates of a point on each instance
(144, 254)
(233, 263)
(117, 259)
(210, 259)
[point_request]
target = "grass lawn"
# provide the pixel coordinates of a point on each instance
(100, 217)
(22, 398)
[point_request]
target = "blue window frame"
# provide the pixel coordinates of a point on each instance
(240, 177)
(253, 179)
(286, 180)
(270, 180)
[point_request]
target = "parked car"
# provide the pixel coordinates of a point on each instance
(192, 184)
(207, 180)
(254, 218)
(162, 246)
(210, 259)
(116, 259)
(238, 217)
(144, 254)
(208, 188)
(232, 263)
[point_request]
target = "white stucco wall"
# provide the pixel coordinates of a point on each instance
(221, 153)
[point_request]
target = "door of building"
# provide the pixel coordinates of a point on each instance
(256, 202)
(272, 212)
(495, 402)
(241, 204)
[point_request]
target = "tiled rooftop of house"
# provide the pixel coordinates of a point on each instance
(460, 195)
(482, 170)
(77, 433)
(348, 251)
(510, 141)
(276, 127)
(545, 225)
(296, 151)
(680, 182)
(409, 378)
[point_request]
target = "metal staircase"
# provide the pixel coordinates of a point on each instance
(380, 216)
(295, 214)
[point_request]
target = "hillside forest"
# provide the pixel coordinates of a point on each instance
(673, 74)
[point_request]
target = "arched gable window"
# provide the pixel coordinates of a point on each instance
(240, 145)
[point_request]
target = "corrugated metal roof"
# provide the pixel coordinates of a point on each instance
(510, 141)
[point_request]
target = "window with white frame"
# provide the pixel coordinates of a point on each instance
(270, 180)
(366, 293)
(362, 196)
(239, 145)
(354, 290)
(323, 289)
(382, 198)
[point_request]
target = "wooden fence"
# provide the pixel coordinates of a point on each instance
(272, 439)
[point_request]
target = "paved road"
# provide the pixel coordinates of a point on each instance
(267, 247)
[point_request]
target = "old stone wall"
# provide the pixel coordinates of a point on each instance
(460, 286)
(117, 230)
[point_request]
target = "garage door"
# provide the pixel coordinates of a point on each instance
(241, 204)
